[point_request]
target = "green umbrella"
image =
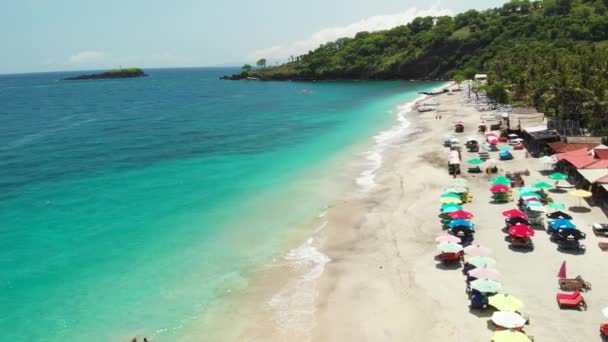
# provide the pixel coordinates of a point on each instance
(486, 286)
(448, 210)
(449, 247)
(534, 204)
(557, 206)
(558, 176)
(475, 161)
(525, 189)
(455, 189)
(542, 185)
(530, 194)
(460, 182)
(501, 180)
(451, 194)
(480, 261)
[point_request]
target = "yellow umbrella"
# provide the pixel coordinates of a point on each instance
(451, 200)
(510, 336)
(505, 302)
(580, 194)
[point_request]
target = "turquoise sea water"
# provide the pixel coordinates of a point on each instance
(126, 206)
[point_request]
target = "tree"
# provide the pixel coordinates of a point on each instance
(261, 63)
(246, 68)
(459, 78)
(497, 92)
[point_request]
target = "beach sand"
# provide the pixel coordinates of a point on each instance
(383, 283)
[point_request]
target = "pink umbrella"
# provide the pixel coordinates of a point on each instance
(447, 238)
(562, 271)
(485, 273)
(477, 250)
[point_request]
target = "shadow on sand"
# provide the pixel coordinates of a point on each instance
(579, 209)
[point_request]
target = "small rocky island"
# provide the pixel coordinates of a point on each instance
(116, 73)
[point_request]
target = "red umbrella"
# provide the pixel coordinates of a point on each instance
(500, 188)
(521, 230)
(461, 214)
(512, 213)
(562, 271)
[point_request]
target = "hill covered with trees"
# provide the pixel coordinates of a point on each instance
(552, 54)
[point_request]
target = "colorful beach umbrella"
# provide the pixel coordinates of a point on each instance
(512, 213)
(532, 203)
(448, 210)
(507, 319)
(506, 148)
(562, 224)
(580, 193)
(450, 194)
(510, 335)
(477, 250)
(505, 302)
(525, 189)
(558, 176)
(559, 214)
(461, 214)
(485, 273)
(562, 271)
(475, 161)
(456, 189)
(451, 200)
(499, 188)
(521, 230)
(486, 285)
(480, 261)
(530, 195)
(449, 247)
(462, 223)
(501, 180)
(555, 205)
(447, 238)
(460, 182)
(542, 185)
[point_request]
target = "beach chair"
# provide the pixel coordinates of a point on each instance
(571, 300)
(521, 242)
(475, 169)
(574, 284)
(600, 229)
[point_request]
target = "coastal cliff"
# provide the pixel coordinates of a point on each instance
(116, 73)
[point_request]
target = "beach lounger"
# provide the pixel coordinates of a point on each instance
(574, 284)
(603, 246)
(571, 300)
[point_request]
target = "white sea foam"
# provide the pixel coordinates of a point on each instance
(383, 140)
(294, 305)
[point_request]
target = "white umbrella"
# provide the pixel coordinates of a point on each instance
(508, 319)
(605, 312)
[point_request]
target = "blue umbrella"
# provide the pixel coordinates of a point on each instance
(462, 223)
(505, 148)
(562, 224)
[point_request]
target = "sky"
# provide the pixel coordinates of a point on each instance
(55, 35)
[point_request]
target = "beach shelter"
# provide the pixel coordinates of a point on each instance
(447, 238)
(562, 271)
(512, 213)
(461, 214)
(505, 302)
(499, 188)
(451, 200)
(477, 250)
(475, 161)
(580, 194)
(449, 247)
(486, 285)
(480, 261)
(557, 206)
(485, 273)
(510, 335)
(521, 230)
(462, 223)
(508, 319)
(542, 185)
(501, 180)
(562, 224)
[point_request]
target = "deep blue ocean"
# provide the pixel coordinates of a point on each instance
(127, 205)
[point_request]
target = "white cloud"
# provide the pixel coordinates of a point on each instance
(375, 23)
(87, 56)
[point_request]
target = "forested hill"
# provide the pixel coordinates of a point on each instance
(439, 47)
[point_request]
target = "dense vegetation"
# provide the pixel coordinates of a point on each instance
(551, 54)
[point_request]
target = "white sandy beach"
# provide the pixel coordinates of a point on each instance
(383, 282)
